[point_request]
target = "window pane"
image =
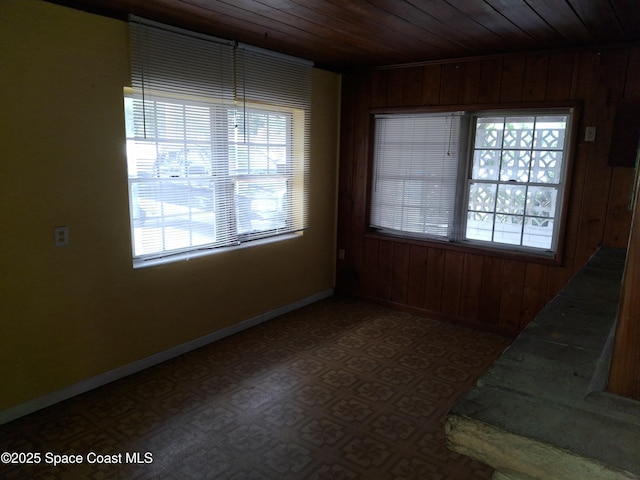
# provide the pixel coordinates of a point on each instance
(277, 129)
(260, 205)
(518, 132)
(170, 215)
(515, 165)
(550, 132)
(259, 159)
(489, 132)
(258, 127)
(197, 123)
(172, 161)
(480, 226)
(538, 233)
(141, 158)
(260, 148)
(511, 199)
(508, 229)
(546, 167)
(482, 197)
(170, 119)
(541, 201)
(486, 164)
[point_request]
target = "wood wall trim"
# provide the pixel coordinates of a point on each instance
(574, 105)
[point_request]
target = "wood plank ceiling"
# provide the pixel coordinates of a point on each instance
(342, 35)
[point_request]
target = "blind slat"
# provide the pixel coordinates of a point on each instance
(415, 173)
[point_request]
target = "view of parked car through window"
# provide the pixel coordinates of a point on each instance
(226, 177)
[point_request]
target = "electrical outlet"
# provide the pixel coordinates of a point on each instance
(341, 254)
(590, 134)
(61, 236)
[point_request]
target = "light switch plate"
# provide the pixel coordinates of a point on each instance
(590, 134)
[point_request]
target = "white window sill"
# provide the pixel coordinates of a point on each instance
(190, 255)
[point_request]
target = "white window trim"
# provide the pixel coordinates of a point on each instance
(457, 235)
(206, 251)
(244, 240)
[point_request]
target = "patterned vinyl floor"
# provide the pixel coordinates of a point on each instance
(337, 390)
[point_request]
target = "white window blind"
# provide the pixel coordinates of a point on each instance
(415, 173)
(217, 142)
(272, 149)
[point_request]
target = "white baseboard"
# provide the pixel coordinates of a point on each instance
(120, 372)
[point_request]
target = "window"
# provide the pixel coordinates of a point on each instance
(217, 143)
(493, 179)
(416, 172)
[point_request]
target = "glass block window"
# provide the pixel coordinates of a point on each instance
(516, 180)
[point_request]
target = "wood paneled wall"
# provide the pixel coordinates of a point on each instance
(479, 288)
(625, 362)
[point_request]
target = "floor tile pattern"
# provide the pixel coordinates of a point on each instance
(340, 389)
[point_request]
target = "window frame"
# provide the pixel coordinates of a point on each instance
(220, 114)
(457, 242)
(172, 62)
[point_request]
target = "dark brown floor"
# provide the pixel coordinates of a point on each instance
(336, 390)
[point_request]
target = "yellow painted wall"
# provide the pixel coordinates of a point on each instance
(70, 313)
